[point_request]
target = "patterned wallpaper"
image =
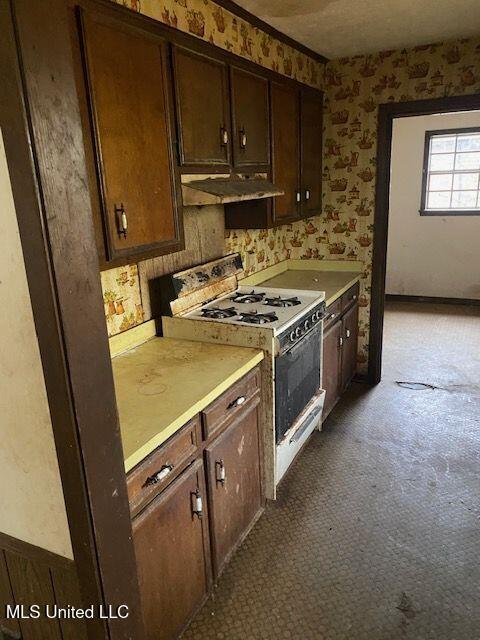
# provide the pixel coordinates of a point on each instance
(208, 21)
(354, 87)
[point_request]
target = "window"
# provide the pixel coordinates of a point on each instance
(451, 173)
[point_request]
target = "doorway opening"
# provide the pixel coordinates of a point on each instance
(390, 114)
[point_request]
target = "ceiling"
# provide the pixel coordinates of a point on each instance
(337, 28)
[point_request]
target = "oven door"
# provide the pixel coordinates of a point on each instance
(297, 380)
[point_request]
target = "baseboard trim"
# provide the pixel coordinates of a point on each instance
(467, 302)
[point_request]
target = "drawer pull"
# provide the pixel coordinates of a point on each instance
(220, 474)
(332, 316)
(159, 475)
(122, 220)
(354, 297)
(237, 402)
(197, 504)
(223, 136)
(347, 333)
(243, 139)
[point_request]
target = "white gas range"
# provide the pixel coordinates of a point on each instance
(208, 304)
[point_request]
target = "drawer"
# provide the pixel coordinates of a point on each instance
(350, 296)
(152, 475)
(230, 404)
(334, 311)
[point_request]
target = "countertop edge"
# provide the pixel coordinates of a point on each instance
(343, 290)
(147, 448)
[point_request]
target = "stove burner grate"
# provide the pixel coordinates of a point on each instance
(254, 317)
(247, 298)
(282, 302)
(219, 314)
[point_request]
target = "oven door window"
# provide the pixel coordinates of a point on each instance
(297, 380)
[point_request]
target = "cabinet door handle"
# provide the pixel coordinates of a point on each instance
(354, 297)
(159, 475)
(220, 473)
(298, 196)
(197, 504)
(340, 342)
(347, 333)
(243, 139)
(307, 194)
(122, 220)
(223, 136)
(237, 402)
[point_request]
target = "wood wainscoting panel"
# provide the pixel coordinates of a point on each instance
(29, 576)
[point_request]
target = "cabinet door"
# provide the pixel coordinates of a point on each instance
(129, 104)
(311, 152)
(234, 479)
(203, 121)
(173, 563)
(350, 342)
(331, 366)
(285, 151)
(251, 122)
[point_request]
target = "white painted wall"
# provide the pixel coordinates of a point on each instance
(428, 255)
(32, 506)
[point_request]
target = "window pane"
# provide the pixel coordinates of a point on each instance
(442, 162)
(464, 199)
(468, 143)
(442, 144)
(441, 182)
(465, 181)
(438, 200)
(467, 161)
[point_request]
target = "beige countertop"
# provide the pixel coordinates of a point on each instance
(334, 283)
(163, 383)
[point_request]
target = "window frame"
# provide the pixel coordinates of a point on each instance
(426, 154)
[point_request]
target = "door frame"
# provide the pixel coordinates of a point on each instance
(43, 139)
(386, 114)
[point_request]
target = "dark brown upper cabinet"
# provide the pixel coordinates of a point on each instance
(286, 151)
(250, 120)
(127, 107)
(311, 125)
(203, 112)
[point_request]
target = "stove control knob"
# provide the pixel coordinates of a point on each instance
(292, 336)
(298, 332)
(306, 325)
(317, 315)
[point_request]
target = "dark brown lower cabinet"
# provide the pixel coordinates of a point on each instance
(235, 490)
(331, 366)
(173, 557)
(340, 341)
(187, 527)
(349, 346)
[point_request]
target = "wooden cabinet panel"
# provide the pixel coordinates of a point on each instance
(311, 151)
(203, 119)
(234, 479)
(129, 103)
(285, 151)
(349, 349)
(171, 545)
(230, 404)
(251, 122)
(331, 372)
(162, 466)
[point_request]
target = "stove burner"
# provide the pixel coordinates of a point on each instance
(254, 317)
(215, 312)
(282, 302)
(247, 298)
